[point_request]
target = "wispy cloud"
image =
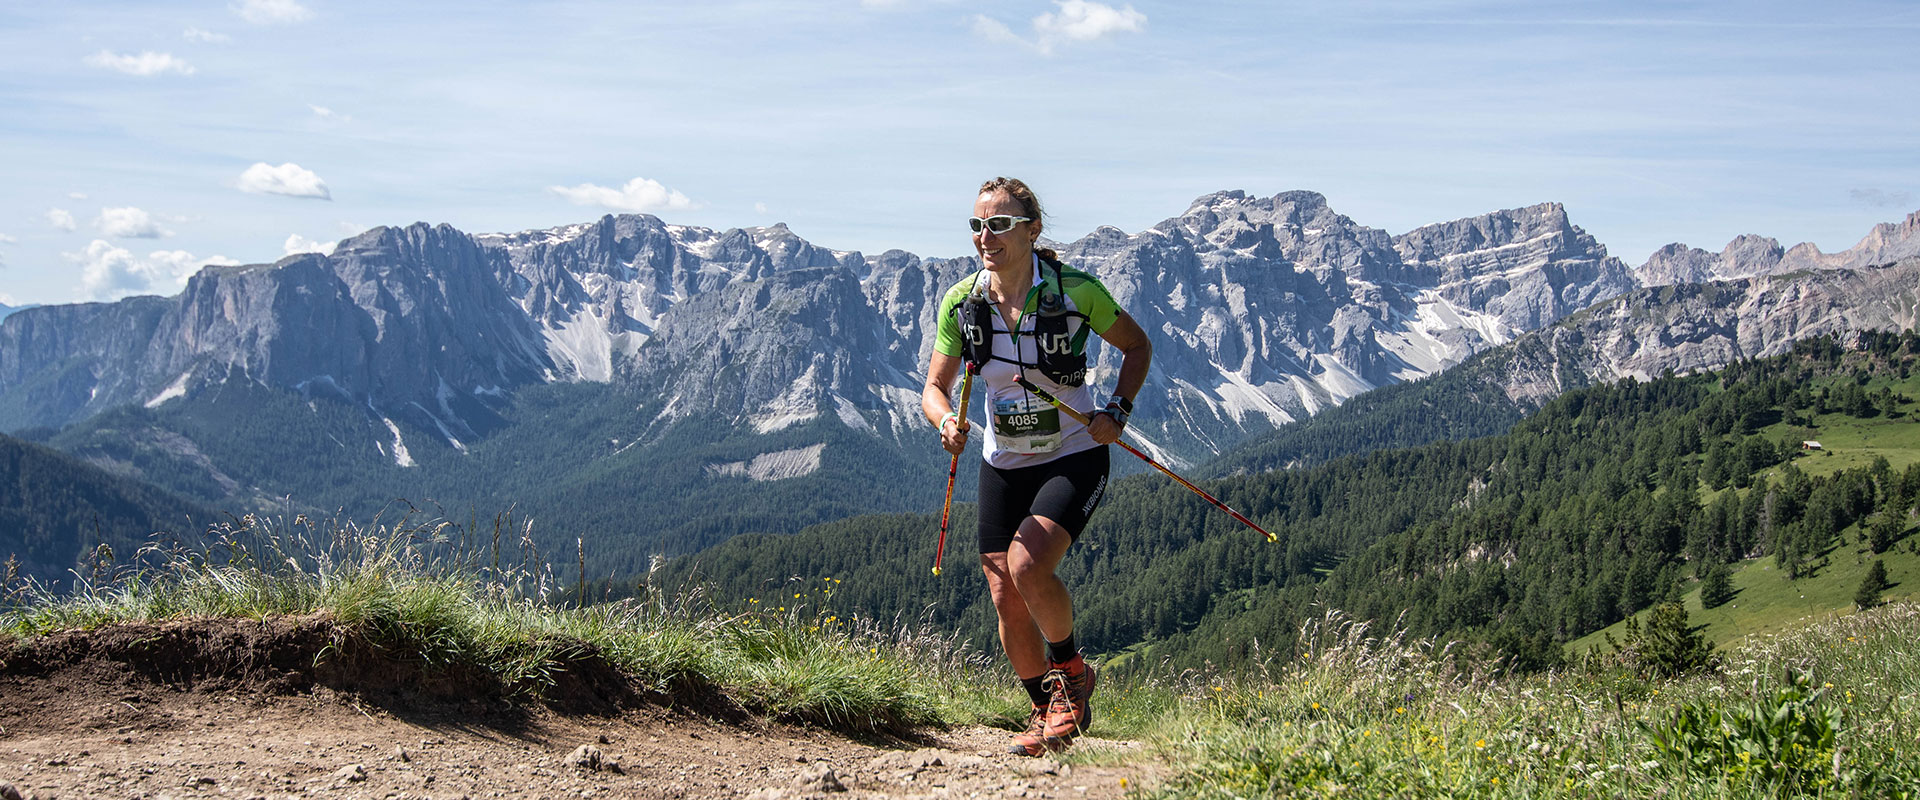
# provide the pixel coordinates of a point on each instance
(108, 272)
(1075, 21)
(199, 36)
(77, 195)
(640, 195)
(5, 239)
(329, 114)
(271, 12)
(128, 223)
(1882, 198)
(61, 218)
(301, 244)
(288, 179)
(145, 65)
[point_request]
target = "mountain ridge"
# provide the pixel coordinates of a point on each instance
(1264, 310)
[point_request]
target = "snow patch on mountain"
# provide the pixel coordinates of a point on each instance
(1311, 395)
(1240, 397)
(176, 389)
(1439, 334)
(584, 344)
(1338, 379)
(773, 466)
(400, 455)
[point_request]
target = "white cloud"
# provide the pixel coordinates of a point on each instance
(640, 195)
(1085, 21)
(128, 223)
(145, 65)
(108, 272)
(1076, 21)
(760, 208)
(5, 239)
(327, 113)
(289, 179)
(61, 218)
(77, 195)
(271, 12)
(301, 244)
(205, 37)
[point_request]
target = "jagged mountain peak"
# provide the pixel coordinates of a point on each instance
(1751, 255)
(1295, 207)
(1501, 228)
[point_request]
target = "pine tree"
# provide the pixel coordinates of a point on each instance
(1716, 587)
(1882, 533)
(1667, 645)
(1876, 582)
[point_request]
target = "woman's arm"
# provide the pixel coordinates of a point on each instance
(1136, 354)
(936, 405)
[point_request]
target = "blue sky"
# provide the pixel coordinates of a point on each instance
(139, 140)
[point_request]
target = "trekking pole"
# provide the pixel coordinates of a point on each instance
(953, 468)
(1086, 420)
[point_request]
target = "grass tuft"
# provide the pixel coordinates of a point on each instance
(402, 588)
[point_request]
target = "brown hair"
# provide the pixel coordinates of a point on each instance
(1029, 205)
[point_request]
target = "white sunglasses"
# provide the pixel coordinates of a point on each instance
(997, 224)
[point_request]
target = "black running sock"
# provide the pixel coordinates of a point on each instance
(1034, 692)
(1063, 651)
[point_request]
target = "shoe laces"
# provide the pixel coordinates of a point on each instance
(1058, 690)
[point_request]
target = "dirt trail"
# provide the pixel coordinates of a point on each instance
(205, 710)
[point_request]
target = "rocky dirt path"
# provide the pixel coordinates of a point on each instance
(94, 728)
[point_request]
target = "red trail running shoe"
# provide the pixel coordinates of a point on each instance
(1071, 687)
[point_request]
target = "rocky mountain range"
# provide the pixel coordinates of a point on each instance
(1749, 256)
(1699, 326)
(1263, 310)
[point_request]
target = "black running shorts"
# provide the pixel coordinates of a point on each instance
(1065, 490)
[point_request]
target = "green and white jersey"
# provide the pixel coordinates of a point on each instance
(1026, 430)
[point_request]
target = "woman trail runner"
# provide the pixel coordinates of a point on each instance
(1026, 316)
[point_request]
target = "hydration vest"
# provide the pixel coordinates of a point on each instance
(1059, 333)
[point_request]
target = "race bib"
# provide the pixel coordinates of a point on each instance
(1026, 425)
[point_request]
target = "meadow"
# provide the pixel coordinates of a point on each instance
(1822, 708)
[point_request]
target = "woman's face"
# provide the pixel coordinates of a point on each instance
(1002, 251)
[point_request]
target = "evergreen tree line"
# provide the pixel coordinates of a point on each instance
(1605, 501)
(61, 517)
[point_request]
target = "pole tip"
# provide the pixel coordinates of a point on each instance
(936, 570)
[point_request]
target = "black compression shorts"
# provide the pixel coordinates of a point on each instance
(1065, 490)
